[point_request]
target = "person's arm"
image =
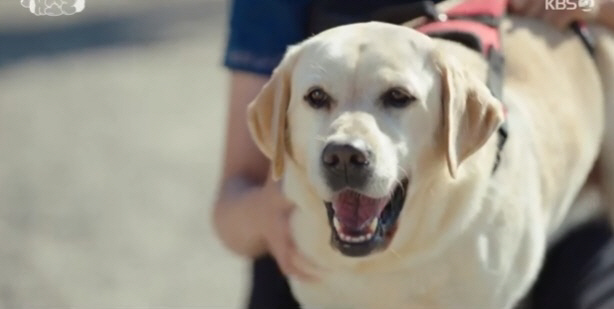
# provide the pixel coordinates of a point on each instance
(251, 215)
(244, 173)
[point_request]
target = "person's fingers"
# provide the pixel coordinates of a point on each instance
(300, 268)
(554, 18)
(514, 5)
(276, 230)
(519, 6)
(295, 263)
(284, 260)
(535, 8)
(301, 262)
(305, 263)
(282, 247)
(563, 19)
(289, 260)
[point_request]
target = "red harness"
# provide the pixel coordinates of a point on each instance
(470, 17)
(475, 23)
(481, 18)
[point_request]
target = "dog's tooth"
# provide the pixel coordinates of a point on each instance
(355, 239)
(373, 224)
(337, 224)
(351, 239)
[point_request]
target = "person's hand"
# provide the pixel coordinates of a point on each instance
(275, 228)
(560, 17)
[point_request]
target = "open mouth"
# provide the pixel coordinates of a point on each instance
(360, 224)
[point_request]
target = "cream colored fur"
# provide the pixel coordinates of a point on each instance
(467, 238)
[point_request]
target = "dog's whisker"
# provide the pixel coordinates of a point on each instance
(395, 253)
(399, 182)
(320, 138)
(405, 173)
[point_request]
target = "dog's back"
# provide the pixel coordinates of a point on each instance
(554, 82)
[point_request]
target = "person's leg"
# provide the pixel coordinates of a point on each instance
(578, 271)
(270, 289)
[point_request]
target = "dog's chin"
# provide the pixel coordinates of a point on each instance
(362, 225)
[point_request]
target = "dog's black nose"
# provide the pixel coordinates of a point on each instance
(339, 155)
(346, 164)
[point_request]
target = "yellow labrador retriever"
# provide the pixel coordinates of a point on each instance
(385, 140)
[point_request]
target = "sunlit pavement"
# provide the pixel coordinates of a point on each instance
(111, 124)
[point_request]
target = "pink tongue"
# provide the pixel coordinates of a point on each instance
(355, 210)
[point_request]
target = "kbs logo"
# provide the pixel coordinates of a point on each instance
(53, 7)
(562, 5)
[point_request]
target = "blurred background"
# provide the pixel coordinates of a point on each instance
(111, 127)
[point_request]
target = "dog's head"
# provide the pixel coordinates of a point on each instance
(363, 111)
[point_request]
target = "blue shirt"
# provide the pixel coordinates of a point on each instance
(261, 30)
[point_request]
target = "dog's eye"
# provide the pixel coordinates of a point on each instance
(317, 98)
(397, 98)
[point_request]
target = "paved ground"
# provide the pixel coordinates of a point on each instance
(111, 124)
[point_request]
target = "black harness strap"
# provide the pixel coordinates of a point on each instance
(581, 29)
(496, 61)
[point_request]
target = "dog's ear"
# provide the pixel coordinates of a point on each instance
(266, 114)
(470, 113)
